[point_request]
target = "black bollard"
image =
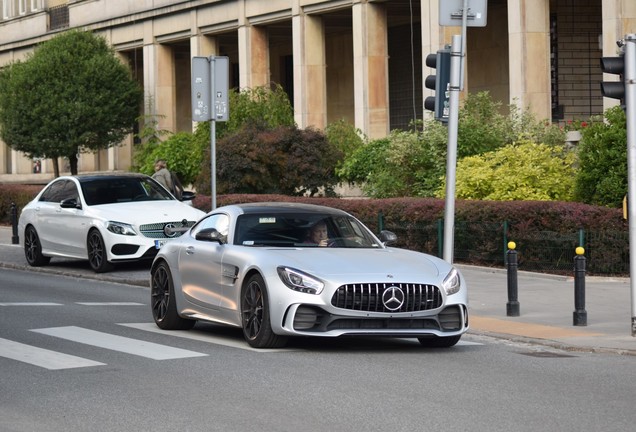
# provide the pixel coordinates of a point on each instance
(14, 224)
(512, 307)
(580, 314)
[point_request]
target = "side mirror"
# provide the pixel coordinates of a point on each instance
(70, 203)
(188, 196)
(387, 237)
(211, 235)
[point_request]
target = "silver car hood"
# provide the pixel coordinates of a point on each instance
(363, 263)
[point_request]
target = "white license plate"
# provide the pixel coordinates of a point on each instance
(159, 243)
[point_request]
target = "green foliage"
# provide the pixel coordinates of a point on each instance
(481, 127)
(260, 105)
(182, 153)
(602, 176)
(523, 171)
(251, 110)
(71, 95)
(345, 137)
(285, 160)
(413, 163)
(404, 164)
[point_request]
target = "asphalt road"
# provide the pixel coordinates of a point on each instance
(89, 358)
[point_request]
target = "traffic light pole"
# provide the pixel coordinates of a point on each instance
(630, 111)
(451, 159)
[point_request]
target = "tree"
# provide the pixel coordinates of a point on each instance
(602, 176)
(283, 160)
(522, 171)
(71, 96)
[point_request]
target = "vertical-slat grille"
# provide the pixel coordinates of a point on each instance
(369, 297)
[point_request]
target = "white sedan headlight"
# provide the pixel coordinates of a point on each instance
(300, 281)
(120, 228)
(452, 282)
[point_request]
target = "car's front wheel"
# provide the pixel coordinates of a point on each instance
(97, 252)
(162, 301)
(439, 342)
(33, 248)
(255, 318)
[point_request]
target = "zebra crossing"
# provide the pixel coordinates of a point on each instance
(53, 360)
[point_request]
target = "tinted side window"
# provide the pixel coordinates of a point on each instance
(220, 222)
(54, 192)
(69, 191)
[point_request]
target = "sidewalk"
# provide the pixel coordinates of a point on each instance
(546, 302)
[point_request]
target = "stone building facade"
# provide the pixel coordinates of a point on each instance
(361, 60)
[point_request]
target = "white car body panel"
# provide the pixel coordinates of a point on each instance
(63, 231)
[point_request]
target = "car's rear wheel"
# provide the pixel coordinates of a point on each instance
(33, 248)
(162, 301)
(439, 341)
(97, 252)
(257, 327)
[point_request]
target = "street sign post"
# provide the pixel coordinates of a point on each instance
(467, 13)
(210, 101)
(630, 112)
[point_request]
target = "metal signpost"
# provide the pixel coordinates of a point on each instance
(210, 101)
(630, 111)
(468, 13)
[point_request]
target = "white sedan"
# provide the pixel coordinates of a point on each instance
(104, 218)
(280, 269)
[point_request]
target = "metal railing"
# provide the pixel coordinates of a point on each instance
(485, 244)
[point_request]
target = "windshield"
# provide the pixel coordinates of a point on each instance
(302, 230)
(122, 189)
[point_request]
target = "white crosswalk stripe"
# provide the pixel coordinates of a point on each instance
(31, 304)
(118, 343)
(44, 358)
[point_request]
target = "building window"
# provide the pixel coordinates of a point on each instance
(36, 5)
(22, 6)
(6, 9)
(58, 17)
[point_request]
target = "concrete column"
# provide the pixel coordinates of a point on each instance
(203, 46)
(310, 76)
(253, 56)
(165, 88)
(529, 55)
(619, 19)
(371, 69)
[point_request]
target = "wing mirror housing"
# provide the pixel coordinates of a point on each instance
(70, 203)
(387, 237)
(211, 235)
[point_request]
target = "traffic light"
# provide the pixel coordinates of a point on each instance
(439, 83)
(614, 89)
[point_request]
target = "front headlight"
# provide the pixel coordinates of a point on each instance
(120, 228)
(300, 281)
(452, 282)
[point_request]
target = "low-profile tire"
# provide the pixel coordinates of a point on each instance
(33, 248)
(439, 341)
(97, 255)
(255, 317)
(162, 301)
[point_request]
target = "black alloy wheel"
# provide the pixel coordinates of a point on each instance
(162, 300)
(97, 252)
(33, 248)
(255, 318)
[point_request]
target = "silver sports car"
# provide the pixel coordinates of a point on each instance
(280, 269)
